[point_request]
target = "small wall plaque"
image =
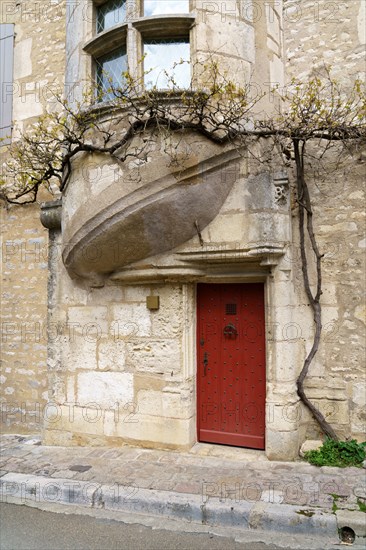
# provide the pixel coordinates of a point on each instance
(152, 302)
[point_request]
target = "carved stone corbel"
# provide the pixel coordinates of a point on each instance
(281, 187)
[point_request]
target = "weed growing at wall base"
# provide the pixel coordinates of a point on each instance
(338, 453)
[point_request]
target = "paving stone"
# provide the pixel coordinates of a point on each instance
(14, 465)
(87, 476)
(167, 459)
(44, 472)
(65, 474)
(80, 468)
(32, 441)
(96, 453)
(188, 487)
(15, 451)
(113, 454)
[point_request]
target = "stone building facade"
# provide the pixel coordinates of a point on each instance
(158, 281)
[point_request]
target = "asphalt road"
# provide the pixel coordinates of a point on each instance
(24, 528)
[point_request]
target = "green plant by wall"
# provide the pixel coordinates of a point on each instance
(361, 504)
(338, 453)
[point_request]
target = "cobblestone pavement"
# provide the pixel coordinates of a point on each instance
(230, 474)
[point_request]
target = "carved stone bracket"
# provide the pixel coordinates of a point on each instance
(281, 187)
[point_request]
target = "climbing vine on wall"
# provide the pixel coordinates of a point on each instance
(317, 112)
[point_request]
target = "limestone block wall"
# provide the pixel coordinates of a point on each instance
(39, 65)
(319, 33)
(215, 23)
(336, 379)
(39, 56)
(120, 375)
(333, 34)
(24, 251)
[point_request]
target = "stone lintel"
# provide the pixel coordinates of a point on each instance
(205, 265)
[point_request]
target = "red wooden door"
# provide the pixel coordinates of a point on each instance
(231, 378)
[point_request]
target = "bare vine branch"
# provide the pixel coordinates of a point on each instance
(305, 210)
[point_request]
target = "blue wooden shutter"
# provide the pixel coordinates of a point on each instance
(6, 81)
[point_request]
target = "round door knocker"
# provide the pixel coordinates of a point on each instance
(230, 330)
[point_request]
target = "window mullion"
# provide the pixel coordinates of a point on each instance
(133, 9)
(134, 52)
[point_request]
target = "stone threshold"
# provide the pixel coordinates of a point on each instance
(227, 452)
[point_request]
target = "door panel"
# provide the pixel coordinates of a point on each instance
(231, 377)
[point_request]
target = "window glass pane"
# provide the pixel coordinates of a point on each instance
(111, 13)
(165, 59)
(109, 71)
(6, 81)
(159, 7)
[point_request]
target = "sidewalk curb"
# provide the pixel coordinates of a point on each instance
(254, 516)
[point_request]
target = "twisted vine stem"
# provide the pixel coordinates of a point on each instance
(306, 221)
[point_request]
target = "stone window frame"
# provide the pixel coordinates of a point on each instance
(132, 32)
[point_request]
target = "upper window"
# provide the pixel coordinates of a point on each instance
(110, 14)
(159, 37)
